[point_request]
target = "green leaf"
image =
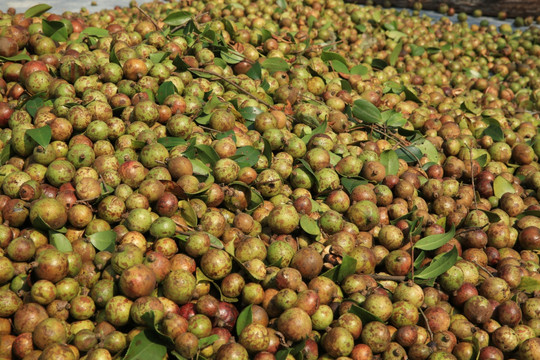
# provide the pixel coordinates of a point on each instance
(318, 130)
(95, 31)
(255, 72)
(40, 224)
(187, 212)
(393, 118)
(361, 28)
(339, 66)
(439, 265)
(250, 112)
(177, 18)
(528, 213)
(215, 242)
(529, 284)
(359, 70)
(415, 226)
(213, 103)
(267, 151)
(433, 50)
(366, 111)
(476, 349)
(390, 161)
(199, 275)
(229, 27)
(334, 158)
(309, 170)
(203, 120)
(159, 56)
(379, 64)
(165, 89)
(394, 56)
(244, 319)
(255, 201)
(390, 26)
(199, 168)
(433, 242)
(231, 57)
(56, 30)
(471, 107)
(33, 105)
(282, 4)
(295, 351)
(246, 156)
(493, 217)
(265, 35)
(350, 183)
(416, 50)
(104, 240)
(495, 132)
(419, 258)
(309, 225)
(427, 148)
(37, 10)
(60, 242)
(220, 62)
(206, 183)
(482, 160)
(171, 142)
(395, 35)
(180, 65)
(328, 57)
(407, 153)
(472, 73)
(222, 135)
(393, 87)
(41, 135)
(207, 341)
(364, 315)
(5, 154)
(338, 273)
(177, 355)
(146, 345)
(23, 55)
(411, 95)
(502, 186)
(275, 64)
(149, 319)
(112, 56)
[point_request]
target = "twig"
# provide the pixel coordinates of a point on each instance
(238, 87)
(388, 277)
(150, 18)
(403, 144)
(428, 328)
(486, 270)
(207, 128)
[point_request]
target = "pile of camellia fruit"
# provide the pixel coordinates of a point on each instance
(265, 180)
